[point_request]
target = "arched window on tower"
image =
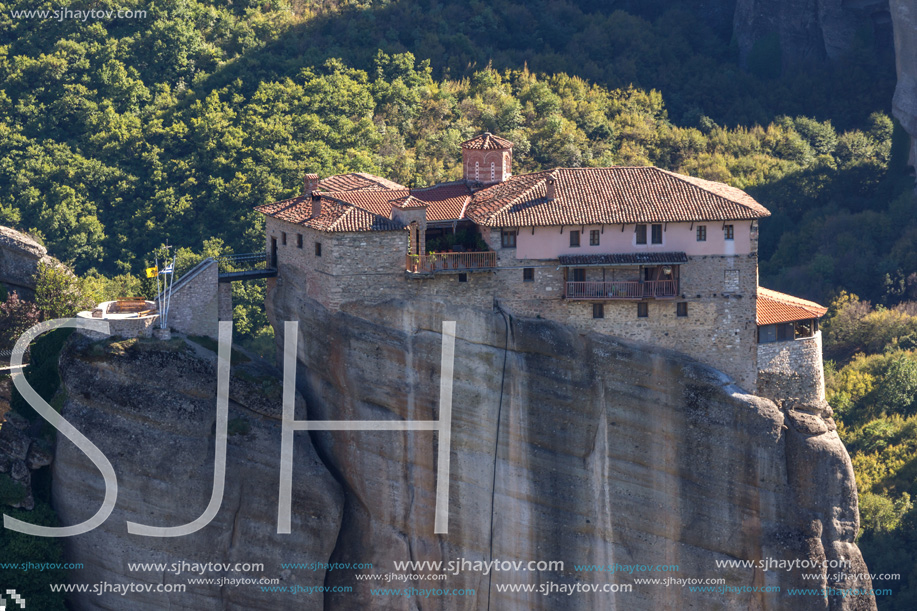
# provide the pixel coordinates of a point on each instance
(493, 170)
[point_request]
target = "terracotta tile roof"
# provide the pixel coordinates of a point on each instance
(285, 206)
(775, 308)
(355, 181)
(410, 202)
(444, 202)
(638, 258)
(334, 215)
(613, 195)
(447, 201)
(373, 200)
(487, 142)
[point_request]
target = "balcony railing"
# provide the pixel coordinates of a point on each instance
(451, 261)
(657, 289)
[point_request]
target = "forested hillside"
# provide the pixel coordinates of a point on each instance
(117, 135)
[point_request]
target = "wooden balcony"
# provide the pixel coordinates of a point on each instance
(444, 262)
(596, 291)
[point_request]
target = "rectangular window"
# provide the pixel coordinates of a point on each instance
(508, 238)
(574, 238)
(804, 328)
(318, 249)
(579, 275)
(643, 310)
(701, 233)
(767, 334)
(594, 237)
(298, 240)
(463, 278)
(528, 274)
(729, 232)
(657, 234)
(283, 238)
(681, 308)
(785, 332)
(598, 310)
(641, 234)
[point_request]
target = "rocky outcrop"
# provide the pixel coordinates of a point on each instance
(904, 105)
(19, 258)
(21, 453)
(584, 450)
(150, 406)
(580, 449)
(808, 30)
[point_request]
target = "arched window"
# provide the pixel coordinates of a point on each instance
(493, 170)
(477, 170)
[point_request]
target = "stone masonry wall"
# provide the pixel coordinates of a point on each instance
(194, 307)
(368, 267)
(792, 371)
(225, 300)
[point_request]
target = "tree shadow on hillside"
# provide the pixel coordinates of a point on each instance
(672, 48)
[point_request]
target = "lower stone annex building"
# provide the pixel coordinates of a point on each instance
(639, 253)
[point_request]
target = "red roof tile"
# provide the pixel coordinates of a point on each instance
(446, 201)
(355, 181)
(334, 215)
(375, 201)
(613, 195)
(775, 308)
(487, 142)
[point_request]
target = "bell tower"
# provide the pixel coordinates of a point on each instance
(487, 159)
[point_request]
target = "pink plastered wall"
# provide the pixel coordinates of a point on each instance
(550, 242)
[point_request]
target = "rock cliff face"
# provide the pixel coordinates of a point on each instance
(19, 258)
(904, 106)
(809, 30)
(585, 450)
(151, 408)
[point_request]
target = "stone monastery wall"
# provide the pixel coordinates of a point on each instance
(792, 370)
(362, 267)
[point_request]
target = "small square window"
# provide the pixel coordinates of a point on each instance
(785, 332)
(657, 234)
(598, 310)
(643, 309)
(298, 240)
(528, 274)
(729, 232)
(640, 232)
(508, 238)
(681, 308)
(594, 237)
(579, 274)
(574, 238)
(283, 238)
(701, 233)
(463, 278)
(318, 249)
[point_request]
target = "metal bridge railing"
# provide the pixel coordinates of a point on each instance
(250, 261)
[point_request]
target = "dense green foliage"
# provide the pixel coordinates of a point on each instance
(16, 547)
(873, 390)
(119, 135)
(116, 135)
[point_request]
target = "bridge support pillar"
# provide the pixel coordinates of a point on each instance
(224, 308)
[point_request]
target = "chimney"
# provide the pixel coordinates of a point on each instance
(549, 185)
(316, 205)
(310, 184)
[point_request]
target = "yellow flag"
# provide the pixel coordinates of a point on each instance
(151, 272)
